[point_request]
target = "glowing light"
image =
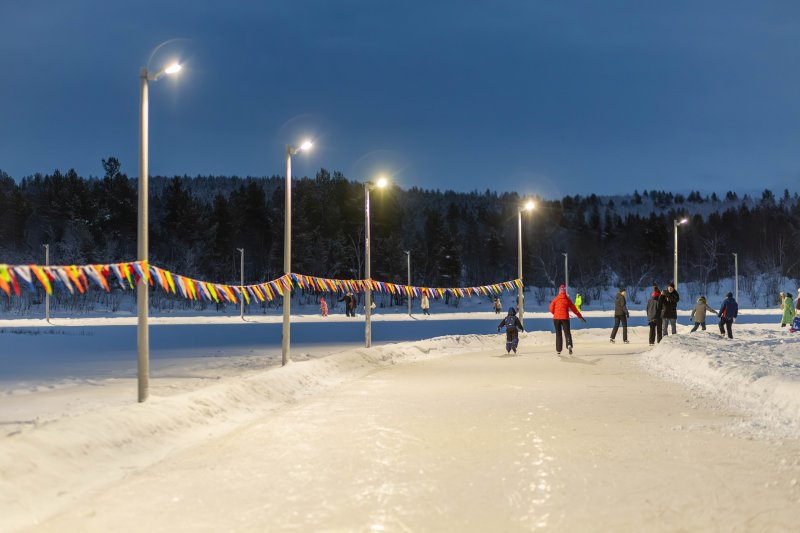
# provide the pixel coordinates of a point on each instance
(382, 182)
(173, 68)
(529, 206)
(306, 145)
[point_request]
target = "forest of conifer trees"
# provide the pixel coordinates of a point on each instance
(455, 239)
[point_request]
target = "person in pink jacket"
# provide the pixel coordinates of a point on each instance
(560, 308)
(323, 306)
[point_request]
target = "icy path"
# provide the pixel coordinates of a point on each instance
(470, 442)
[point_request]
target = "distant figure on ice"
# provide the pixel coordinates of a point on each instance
(560, 308)
(728, 312)
(699, 314)
(497, 305)
(621, 315)
(349, 304)
(513, 327)
(425, 304)
(578, 301)
(788, 310)
(669, 309)
(323, 306)
(654, 315)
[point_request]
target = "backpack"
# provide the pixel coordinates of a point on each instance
(511, 321)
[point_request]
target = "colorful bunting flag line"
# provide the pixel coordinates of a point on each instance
(76, 278)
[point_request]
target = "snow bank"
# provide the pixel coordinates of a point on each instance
(47, 465)
(756, 373)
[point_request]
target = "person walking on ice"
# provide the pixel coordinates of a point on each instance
(621, 315)
(560, 308)
(654, 315)
(699, 314)
(788, 309)
(497, 305)
(578, 301)
(513, 327)
(425, 304)
(727, 315)
(323, 306)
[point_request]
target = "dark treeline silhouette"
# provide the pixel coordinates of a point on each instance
(456, 239)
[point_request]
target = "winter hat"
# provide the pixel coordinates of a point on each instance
(512, 311)
(622, 289)
(562, 289)
(729, 295)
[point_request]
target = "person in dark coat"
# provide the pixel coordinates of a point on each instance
(513, 327)
(654, 315)
(728, 312)
(669, 310)
(349, 304)
(621, 315)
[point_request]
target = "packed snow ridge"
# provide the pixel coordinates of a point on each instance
(757, 373)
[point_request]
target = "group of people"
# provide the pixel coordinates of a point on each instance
(351, 302)
(662, 316)
(662, 313)
(560, 308)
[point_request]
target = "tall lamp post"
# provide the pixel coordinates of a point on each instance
(287, 248)
(566, 272)
(677, 223)
(241, 281)
(142, 289)
(529, 205)
(736, 275)
(46, 296)
(408, 256)
(380, 184)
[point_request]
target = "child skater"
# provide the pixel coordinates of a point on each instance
(513, 327)
(323, 306)
(699, 313)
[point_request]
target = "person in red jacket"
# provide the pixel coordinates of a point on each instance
(560, 308)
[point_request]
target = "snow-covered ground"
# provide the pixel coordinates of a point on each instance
(76, 447)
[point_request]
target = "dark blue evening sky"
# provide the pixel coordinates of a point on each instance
(540, 96)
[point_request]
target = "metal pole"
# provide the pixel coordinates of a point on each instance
(287, 258)
(521, 299)
(241, 281)
(675, 273)
(408, 256)
(142, 289)
(736, 275)
(46, 296)
(368, 274)
(566, 272)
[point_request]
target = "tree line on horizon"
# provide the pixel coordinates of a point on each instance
(455, 239)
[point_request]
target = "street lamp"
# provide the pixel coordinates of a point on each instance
(380, 183)
(46, 296)
(142, 289)
(408, 255)
(566, 272)
(736, 275)
(287, 247)
(241, 281)
(677, 223)
(529, 206)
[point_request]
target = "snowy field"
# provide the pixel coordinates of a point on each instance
(423, 434)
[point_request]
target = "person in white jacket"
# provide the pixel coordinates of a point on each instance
(425, 304)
